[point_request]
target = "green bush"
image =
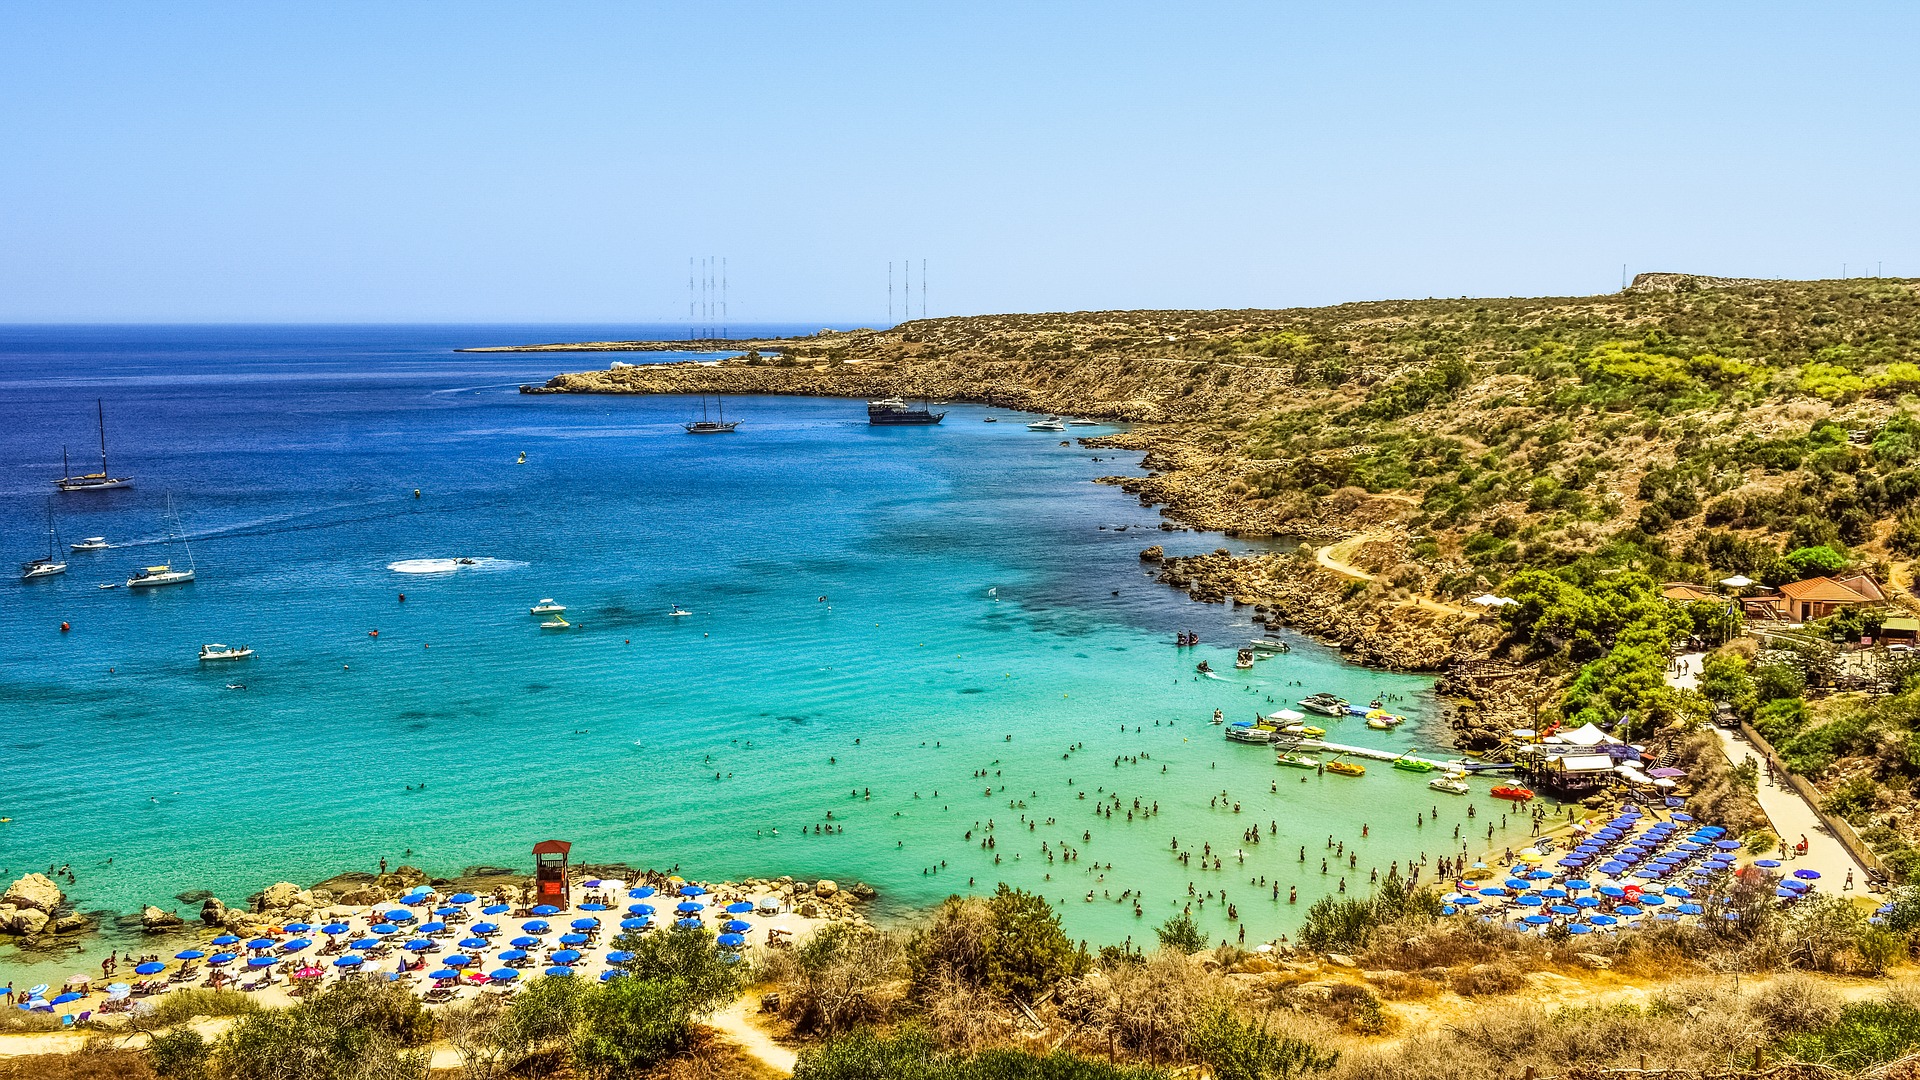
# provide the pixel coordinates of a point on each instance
(1026, 951)
(912, 1054)
(1866, 1033)
(1181, 934)
(349, 1029)
(180, 1055)
(627, 1026)
(189, 1002)
(1237, 1050)
(1349, 922)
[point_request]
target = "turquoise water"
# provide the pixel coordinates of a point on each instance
(980, 612)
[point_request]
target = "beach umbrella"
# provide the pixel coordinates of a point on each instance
(635, 923)
(1727, 845)
(348, 962)
(1515, 883)
(383, 929)
(611, 974)
(1731, 916)
(262, 961)
(1602, 920)
(639, 909)
(513, 954)
(1807, 875)
(495, 909)
(1539, 875)
(1573, 862)
(692, 890)
(1564, 909)
(546, 909)
(1612, 890)
(618, 957)
(1468, 900)
(446, 912)
(1626, 909)
(298, 928)
(1648, 875)
(585, 924)
(524, 942)
(1767, 864)
(475, 943)
(566, 956)
(736, 926)
(434, 927)
(40, 990)
(220, 959)
(1579, 883)
(1587, 902)
(1449, 909)
(1676, 890)
(445, 973)
(688, 924)
(1554, 894)
(503, 975)
(485, 928)
(296, 945)
(335, 928)
(1786, 894)
(573, 939)
(365, 943)
(462, 898)
(148, 968)
(536, 926)
(399, 915)
(1690, 909)
(1682, 817)
(1579, 928)
(1492, 891)
(62, 999)
(593, 907)
(457, 960)
(640, 893)
(1537, 920)
(730, 941)
(418, 945)
(1690, 846)
(190, 954)
(1652, 899)
(559, 971)
(689, 906)
(1529, 900)
(260, 943)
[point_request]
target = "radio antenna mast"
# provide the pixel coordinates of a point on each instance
(690, 301)
(889, 293)
(923, 288)
(723, 296)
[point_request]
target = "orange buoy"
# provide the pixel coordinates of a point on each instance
(64, 628)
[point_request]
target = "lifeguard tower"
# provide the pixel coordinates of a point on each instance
(550, 873)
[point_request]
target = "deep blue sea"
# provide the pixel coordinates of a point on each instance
(936, 634)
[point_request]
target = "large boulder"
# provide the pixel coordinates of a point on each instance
(825, 888)
(35, 892)
(18, 920)
(863, 891)
(213, 912)
(154, 920)
(277, 897)
(364, 896)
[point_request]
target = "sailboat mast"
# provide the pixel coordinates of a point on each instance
(101, 407)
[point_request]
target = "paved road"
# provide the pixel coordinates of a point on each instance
(1790, 815)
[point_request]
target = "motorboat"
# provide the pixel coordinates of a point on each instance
(546, 607)
(1325, 704)
(1244, 659)
(49, 566)
(1051, 423)
(1452, 784)
(108, 585)
(217, 651)
(1245, 731)
(1270, 645)
(91, 543)
(990, 420)
(558, 622)
(1298, 761)
(1203, 668)
(100, 481)
(678, 611)
(1346, 768)
(1083, 423)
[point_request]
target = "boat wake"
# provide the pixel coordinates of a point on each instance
(448, 566)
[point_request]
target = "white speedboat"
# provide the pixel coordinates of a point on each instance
(1326, 704)
(1051, 423)
(556, 623)
(217, 651)
(1452, 783)
(546, 607)
(1083, 423)
(91, 543)
(1247, 732)
(678, 611)
(1270, 645)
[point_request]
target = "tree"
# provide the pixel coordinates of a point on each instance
(707, 975)
(180, 1055)
(1813, 561)
(1026, 949)
(1726, 677)
(1181, 934)
(627, 1026)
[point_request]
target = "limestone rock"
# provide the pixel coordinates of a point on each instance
(71, 923)
(809, 910)
(825, 888)
(155, 919)
(16, 920)
(1340, 960)
(1153, 554)
(863, 891)
(364, 896)
(277, 897)
(35, 892)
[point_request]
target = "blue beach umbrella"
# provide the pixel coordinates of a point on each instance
(486, 928)
(365, 943)
(1612, 890)
(689, 905)
(446, 912)
(611, 974)
(220, 959)
(737, 926)
(261, 961)
(524, 942)
(618, 957)
(1537, 920)
(296, 945)
(536, 926)
(1587, 902)
(503, 975)
(740, 907)
(730, 941)
(1579, 928)
(1786, 894)
(692, 890)
(688, 924)
(1626, 909)
(151, 968)
(559, 971)
(226, 939)
(640, 893)
(1677, 891)
(1529, 900)
(639, 909)
(634, 924)
(1564, 909)
(1579, 883)
(1554, 894)
(1651, 899)
(513, 954)
(383, 929)
(1602, 920)
(474, 943)
(335, 928)
(399, 915)
(546, 909)
(1727, 845)
(1515, 883)
(1807, 875)
(1614, 869)
(418, 945)
(495, 909)
(1767, 864)
(1573, 862)
(593, 907)
(462, 898)
(457, 960)
(260, 943)
(1468, 900)
(298, 928)
(573, 939)
(1449, 909)
(585, 924)
(1690, 909)
(190, 954)
(445, 973)
(1682, 817)
(1492, 891)
(1647, 875)
(434, 927)
(348, 961)
(1539, 875)
(62, 999)
(566, 956)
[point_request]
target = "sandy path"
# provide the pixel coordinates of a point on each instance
(737, 1023)
(1334, 557)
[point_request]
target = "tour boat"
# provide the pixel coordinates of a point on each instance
(165, 574)
(1298, 761)
(1245, 731)
(217, 651)
(546, 607)
(1451, 783)
(49, 566)
(1513, 792)
(1325, 704)
(1407, 764)
(894, 411)
(1270, 645)
(704, 426)
(1346, 768)
(100, 481)
(1051, 423)
(91, 543)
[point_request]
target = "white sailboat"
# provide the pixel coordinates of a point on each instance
(49, 566)
(164, 574)
(100, 481)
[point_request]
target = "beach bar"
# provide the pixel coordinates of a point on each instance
(550, 873)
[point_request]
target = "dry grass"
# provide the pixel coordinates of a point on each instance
(712, 1057)
(90, 1064)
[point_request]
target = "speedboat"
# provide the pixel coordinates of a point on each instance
(1244, 659)
(1245, 731)
(1083, 423)
(556, 623)
(990, 420)
(1270, 645)
(1298, 761)
(678, 610)
(217, 651)
(1452, 784)
(153, 576)
(1051, 423)
(546, 607)
(1325, 704)
(91, 543)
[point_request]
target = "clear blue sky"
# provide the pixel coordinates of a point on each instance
(560, 162)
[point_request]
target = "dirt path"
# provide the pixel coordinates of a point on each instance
(1334, 557)
(737, 1023)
